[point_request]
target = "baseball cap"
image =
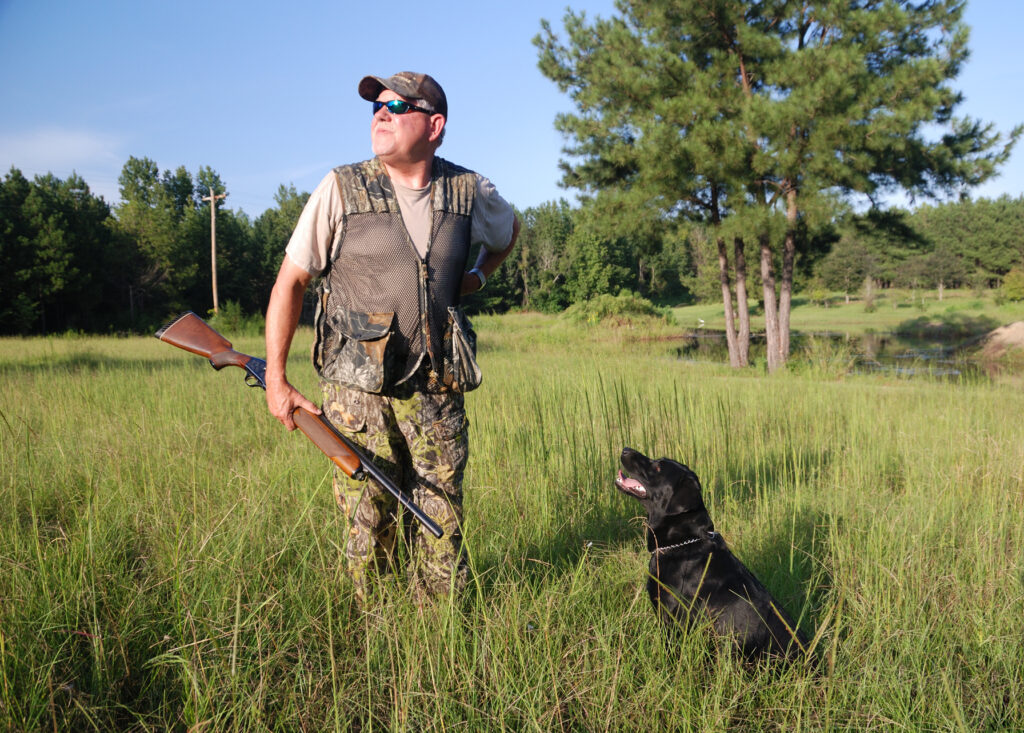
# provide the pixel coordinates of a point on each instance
(408, 84)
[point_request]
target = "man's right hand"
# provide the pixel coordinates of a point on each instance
(283, 398)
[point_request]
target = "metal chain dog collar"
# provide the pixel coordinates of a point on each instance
(666, 548)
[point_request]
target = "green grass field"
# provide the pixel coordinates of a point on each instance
(169, 555)
(893, 309)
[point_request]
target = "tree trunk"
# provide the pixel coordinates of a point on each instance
(730, 325)
(786, 287)
(743, 339)
(524, 268)
(771, 315)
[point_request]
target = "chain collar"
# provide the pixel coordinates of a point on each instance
(668, 548)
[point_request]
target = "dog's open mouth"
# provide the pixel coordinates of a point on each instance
(630, 485)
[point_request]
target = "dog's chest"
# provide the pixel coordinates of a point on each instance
(676, 575)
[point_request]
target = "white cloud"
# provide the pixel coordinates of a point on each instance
(93, 155)
(55, 148)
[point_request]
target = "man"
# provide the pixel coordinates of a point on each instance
(390, 238)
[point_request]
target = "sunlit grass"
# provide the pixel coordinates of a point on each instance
(169, 555)
(892, 308)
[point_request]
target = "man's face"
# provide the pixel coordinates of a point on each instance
(403, 138)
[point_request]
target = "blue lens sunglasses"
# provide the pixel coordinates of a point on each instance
(399, 107)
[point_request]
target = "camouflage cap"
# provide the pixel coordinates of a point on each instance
(407, 84)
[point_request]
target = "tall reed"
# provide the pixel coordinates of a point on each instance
(169, 556)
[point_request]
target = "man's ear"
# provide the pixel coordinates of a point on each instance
(437, 123)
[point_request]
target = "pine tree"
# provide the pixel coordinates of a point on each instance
(754, 117)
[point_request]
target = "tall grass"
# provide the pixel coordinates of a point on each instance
(169, 556)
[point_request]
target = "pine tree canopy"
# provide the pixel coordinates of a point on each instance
(693, 105)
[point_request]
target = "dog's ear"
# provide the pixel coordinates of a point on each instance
(687, 494)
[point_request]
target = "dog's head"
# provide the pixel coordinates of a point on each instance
(665, 487)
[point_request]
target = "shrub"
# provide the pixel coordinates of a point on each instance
(625, 307)
(817, 292)
(1013, 284)
(231, 320)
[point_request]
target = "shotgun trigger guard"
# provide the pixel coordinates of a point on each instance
(256, 370)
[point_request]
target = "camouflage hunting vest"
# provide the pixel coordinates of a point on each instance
(381, 309)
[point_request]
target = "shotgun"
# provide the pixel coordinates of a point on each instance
(191, 333)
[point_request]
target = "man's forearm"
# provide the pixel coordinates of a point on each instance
(282, 319)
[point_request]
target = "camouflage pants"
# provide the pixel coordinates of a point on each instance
(420, 440)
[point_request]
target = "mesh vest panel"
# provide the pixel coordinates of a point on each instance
(376, 268)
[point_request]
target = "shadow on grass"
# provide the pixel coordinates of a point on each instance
(946, 327)
(87, 362)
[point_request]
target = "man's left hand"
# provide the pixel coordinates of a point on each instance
(470, 283)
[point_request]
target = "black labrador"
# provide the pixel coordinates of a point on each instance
(693, 574)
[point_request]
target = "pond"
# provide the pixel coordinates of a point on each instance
(863, 353)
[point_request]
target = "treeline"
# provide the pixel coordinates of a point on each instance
(968, 243)
(562, 259)
(71, 261)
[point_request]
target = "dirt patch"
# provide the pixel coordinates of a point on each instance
(1003, 340)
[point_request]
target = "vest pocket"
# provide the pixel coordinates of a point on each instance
(461, 372)
(362, 359)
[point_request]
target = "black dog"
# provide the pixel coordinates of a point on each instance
(692, 572)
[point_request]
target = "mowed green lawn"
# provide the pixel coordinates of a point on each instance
(892, 310)
(169, 555)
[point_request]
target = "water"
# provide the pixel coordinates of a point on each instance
(866, 353)
(904, 356)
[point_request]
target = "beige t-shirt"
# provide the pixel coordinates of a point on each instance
(415, 206)
(314, 237)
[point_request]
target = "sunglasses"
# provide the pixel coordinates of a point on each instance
(399, 107)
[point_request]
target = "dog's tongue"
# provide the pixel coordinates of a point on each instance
(630, 485)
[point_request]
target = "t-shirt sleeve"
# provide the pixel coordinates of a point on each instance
(314, 234)
(491, 223)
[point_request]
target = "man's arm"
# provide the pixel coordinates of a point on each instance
(282, 319)
(487, 262)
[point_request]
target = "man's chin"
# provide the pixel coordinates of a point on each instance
(382, 149)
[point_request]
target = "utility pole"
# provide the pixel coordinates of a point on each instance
(212, 198)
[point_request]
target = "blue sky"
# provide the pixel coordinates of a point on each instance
(264, 92)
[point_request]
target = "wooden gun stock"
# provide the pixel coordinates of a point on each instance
(191, 333)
